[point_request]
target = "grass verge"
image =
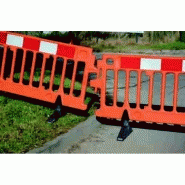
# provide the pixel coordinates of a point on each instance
(23, 125)
(121, 46)
(169, 46)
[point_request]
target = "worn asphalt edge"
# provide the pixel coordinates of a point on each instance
(64, 142)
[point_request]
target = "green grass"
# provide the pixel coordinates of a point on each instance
(102, 47)
(23, 125)
(169, 46)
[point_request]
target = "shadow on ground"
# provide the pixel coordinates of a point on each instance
(144, 125)
(65, 110)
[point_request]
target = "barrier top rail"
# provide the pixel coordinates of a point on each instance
(146, 62)
(41, 45)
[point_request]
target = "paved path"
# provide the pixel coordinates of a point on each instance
(93, 137)
(141, 140)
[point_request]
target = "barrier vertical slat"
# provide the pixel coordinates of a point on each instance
(150, 95)
(115, 87)
(103, 90)
(175, 92)
(32, 68)
(3, 61)
(73, 77)
(61, 88)
(13, 64)
(42, 71)
(138, 89)
(23, 66)
(127, 87)
(98, 76)
(52, 73)
(84, 84)
(163, 87)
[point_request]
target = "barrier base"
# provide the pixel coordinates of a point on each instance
(56, 115)
(125, 131)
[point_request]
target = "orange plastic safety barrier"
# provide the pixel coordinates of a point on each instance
(148, 88)
(43, 69)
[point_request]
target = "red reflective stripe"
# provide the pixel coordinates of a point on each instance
(3, 37)
(172, 64)
(30, 43)
(130, 62)
(66, 51)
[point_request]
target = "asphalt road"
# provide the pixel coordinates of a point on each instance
(100, 137)
(144, 138)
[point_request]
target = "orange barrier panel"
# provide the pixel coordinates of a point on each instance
(128, 83)
(40, 69)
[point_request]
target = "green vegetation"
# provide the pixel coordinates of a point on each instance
(23, 125)
(118, 41)
(75, 36)
(121, 48)
(169, 46)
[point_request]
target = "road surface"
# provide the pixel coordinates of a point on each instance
(144, 138)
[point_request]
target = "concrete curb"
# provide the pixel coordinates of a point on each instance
(63, 143)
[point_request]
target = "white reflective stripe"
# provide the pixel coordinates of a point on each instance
(48, 47)
(14, 40)
(183, 66)
(150, 64)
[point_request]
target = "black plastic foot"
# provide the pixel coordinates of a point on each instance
(125, 131)
(56, 115)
